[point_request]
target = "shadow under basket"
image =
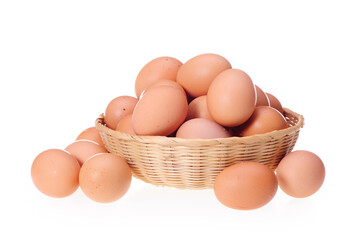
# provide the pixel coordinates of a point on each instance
(195, 163)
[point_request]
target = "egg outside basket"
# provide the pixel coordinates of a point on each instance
(195, 163)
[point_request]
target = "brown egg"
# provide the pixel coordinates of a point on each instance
(157, 69)
(164, 83)
(55, 173)
(197, 74)
(198, 109)
(231, 98)
(201, 128)
(118, 108)
(245, 186)
(91, 134)
(262, 99)
(160, 111)
(263, 120)
(125, 125)
(84, 149)
(300, 174)
(274, 102)
(105, 178)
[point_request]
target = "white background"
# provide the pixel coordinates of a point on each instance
(61, 62)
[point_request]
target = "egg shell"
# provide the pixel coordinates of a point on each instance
(263, 120)
(275, 103)
(245, 185)
(105, 178)
(262, 99)
(125, 125)
(198, 108)
(84, 149)
(201, 128)
(164, 82)
(91, 134)
(196, 75)
(118, 108)
(300, 173)
(160, 111)
(231, 98)
(55, 173)
(157, 69)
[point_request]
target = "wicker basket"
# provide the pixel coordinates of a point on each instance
(195, 163)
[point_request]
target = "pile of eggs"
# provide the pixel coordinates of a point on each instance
(203, 98)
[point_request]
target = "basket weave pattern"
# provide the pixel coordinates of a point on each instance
(195, 163)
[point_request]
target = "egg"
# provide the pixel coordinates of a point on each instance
(300, 173)
(84, 149)
(231, 98)
(262, 99)
(245, 186)
(198, 108)
(263, 120)
(91, 134)
(274, 102)
(196, 75)
(55, 173)
(105, 178)
(118, 108)
(157, 69)
(125, 125)
(202, 128)
(160, 111)
(164, 82)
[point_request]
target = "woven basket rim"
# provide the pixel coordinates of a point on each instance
(164, 140)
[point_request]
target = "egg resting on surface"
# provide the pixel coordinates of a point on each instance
(160, 111)
(164, 82)
(91, 134)
(245, 186)
(231, 98)
(201, 128)
(196, 75)
(275, 103)
(55, 173)
(125, 125)
(84, 149)
(262, 99)
(198, 108)
(300, 173)
(155, 70)
(263, 120)
(118, 108)
(105, 178)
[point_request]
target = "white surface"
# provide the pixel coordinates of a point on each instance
(61, 62)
